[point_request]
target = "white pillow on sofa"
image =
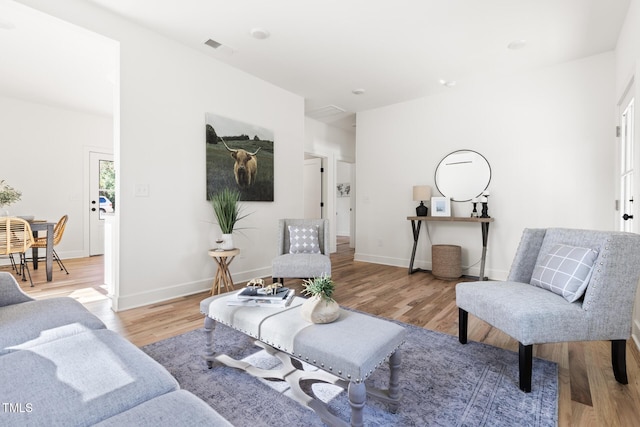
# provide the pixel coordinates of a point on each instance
(565, 270)
(303, 239)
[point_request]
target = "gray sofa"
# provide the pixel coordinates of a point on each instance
(60, 366)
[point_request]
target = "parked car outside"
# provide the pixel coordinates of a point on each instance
(105, 205)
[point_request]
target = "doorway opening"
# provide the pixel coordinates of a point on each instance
(344, 203)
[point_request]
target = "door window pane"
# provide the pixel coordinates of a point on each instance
(107, 190)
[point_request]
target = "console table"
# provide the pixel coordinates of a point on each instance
(416, 222)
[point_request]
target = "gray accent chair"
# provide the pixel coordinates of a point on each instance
(533, 315)
(301, 266)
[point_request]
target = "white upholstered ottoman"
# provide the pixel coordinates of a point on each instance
(347, 351)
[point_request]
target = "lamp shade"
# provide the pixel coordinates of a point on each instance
(421, 193)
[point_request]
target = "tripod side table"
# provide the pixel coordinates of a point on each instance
(223, 276)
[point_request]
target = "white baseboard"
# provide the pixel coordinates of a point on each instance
(635, 331)
(394, 262)
(63, 256)
(425, 265)
(126, 302)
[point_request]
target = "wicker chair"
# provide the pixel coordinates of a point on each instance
(58, 231)
(16, 237)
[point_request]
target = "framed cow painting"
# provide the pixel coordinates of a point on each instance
(239, 157)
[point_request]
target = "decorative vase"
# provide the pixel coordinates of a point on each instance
(227, 242)
(318, 310)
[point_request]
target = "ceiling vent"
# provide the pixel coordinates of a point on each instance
(326, 111)
(212, 43)
(219, 47)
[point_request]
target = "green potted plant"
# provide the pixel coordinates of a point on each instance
(320, 307)
(8, 196)
(228, 210)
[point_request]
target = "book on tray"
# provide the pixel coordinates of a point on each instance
(252, 297)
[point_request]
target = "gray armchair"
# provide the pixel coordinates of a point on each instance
(308, 257)
(553, 308)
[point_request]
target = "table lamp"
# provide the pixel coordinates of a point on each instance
(420, 194)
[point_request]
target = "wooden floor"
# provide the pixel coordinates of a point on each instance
(589, 395)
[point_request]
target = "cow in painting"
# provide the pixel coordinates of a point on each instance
(246, 166)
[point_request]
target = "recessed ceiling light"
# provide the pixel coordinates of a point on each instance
(447, 83)
(260, 33)
(517, 44)
(358, 91)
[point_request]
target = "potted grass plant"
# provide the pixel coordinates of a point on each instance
(228, 211)
(320, 307)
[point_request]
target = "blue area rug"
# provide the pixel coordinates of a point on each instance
(443, 382)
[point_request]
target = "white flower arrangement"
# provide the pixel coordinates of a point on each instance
(8, 194)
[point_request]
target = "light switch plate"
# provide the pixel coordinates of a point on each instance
(142, 190)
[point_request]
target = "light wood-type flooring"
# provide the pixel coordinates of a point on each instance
(588, 392)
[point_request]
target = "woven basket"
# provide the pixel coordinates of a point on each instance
(446, 261)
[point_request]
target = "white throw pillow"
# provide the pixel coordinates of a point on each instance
(303, 239)
(566, 271)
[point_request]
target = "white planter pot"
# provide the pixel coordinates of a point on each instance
(227, 242)
(318, 310)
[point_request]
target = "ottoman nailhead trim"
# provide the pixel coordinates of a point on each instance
(306, 358)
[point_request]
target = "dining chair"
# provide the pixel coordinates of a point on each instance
(303, 249)
(564, 285)
(16, 237)
(58, 231)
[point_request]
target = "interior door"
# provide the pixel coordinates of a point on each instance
(102, 200)
(626, 126)
(313, 188)
(626, 210)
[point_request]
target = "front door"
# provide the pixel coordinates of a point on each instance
(102, 200)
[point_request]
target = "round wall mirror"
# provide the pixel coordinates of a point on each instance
(463, 175)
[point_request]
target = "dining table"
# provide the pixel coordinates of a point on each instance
(40, 225)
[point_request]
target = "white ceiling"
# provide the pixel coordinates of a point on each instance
(319, 49)
(43, 59)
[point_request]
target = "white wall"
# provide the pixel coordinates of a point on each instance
(547, 134)
(44, 157)
(165, 90)
(332, 144)
(628, 70)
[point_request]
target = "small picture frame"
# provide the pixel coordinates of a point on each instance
(440, 206)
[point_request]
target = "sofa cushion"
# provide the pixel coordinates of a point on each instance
(10, 292)
(32, 323)
(303, 239)
(565, 270)
(177, 409)
(80, 380)
(527, 313)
